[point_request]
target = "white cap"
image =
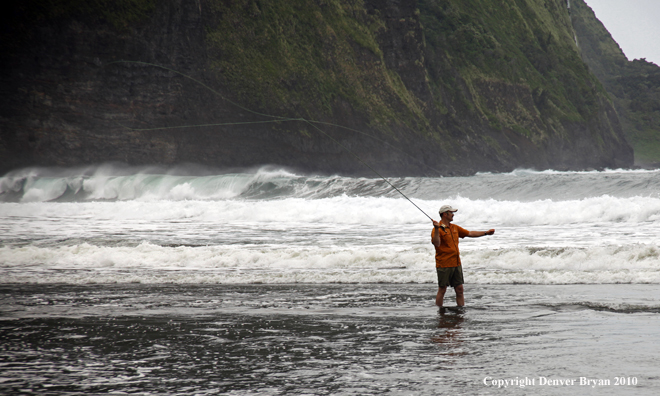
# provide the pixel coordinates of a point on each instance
(446, 208)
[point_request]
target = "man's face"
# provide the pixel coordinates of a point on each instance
(449, 216)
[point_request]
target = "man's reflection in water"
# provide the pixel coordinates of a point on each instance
(449, 321)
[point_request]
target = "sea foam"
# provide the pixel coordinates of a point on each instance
(212, 264)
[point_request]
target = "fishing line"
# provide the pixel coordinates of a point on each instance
(209, 125)
(277, 119)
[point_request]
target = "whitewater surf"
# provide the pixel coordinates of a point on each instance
(107, 224)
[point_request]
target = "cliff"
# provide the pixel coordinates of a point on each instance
(634, 86)
(411, 87)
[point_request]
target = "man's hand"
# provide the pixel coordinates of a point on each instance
(490, 232)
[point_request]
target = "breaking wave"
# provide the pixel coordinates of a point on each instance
(113, 183)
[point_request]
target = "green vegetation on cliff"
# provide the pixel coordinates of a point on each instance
(458, 86)
(637, 90)
(304, 57)
(511, 67)
(633, 85)
(524, 47)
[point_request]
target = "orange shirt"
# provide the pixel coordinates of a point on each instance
(447, 255)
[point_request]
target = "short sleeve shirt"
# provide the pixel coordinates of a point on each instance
(447, 254)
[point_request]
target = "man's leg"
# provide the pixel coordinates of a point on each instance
(460, 297)
(440, 296)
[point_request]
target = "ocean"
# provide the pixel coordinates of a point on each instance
(190, 281)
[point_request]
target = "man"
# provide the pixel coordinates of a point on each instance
(447, 258)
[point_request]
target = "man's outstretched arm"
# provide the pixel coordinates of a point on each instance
(477, 234)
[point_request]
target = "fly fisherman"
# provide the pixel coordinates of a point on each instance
(447, 258)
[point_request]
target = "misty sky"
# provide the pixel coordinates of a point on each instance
(634, 25)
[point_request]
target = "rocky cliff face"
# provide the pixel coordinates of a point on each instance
(428, 87)
(634, 86)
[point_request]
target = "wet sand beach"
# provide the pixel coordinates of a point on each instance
(329, 340)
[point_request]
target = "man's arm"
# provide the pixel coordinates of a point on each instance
(436, 235)
(477, 234)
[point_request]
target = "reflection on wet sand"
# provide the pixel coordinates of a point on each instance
(449, 321)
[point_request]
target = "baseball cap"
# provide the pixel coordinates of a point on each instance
(446, 208)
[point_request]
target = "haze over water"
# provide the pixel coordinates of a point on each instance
(142, 280)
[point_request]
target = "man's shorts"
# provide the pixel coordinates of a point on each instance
(450, 276)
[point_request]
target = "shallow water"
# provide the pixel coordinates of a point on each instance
(327, 339)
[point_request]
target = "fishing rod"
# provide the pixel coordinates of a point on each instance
(277, 119)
